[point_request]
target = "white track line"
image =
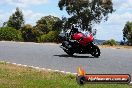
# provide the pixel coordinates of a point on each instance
(40, 69)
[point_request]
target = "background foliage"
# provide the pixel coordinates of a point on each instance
(16, 20)
(52, 36)
(46, 29)
(10, 34)
(29, 34)
(111, 42)
(86, 13)
(127, 33)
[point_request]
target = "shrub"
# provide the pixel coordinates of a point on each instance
(110, 42)
(29, 34)
(10, 34)
(52, 36)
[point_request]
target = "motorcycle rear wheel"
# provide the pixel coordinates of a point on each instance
(70, 53)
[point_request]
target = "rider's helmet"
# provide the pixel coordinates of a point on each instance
(74, 28)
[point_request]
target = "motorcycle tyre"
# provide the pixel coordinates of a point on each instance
(70, 53)
(95, 51)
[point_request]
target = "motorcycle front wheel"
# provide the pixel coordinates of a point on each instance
(95, 51)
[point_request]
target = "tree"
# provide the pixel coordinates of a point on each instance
(29, 34)
(127, 32)
(41, 26)
(48, 23)
(16, 20)
(57, 26)
(86, 12)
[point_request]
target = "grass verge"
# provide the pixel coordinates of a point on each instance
(12, 76)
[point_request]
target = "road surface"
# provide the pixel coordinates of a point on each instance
(50, 56)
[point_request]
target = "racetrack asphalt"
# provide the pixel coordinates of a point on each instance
(51, 56)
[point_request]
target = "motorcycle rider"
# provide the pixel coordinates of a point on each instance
(74, 30)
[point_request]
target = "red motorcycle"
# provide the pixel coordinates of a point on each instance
(79, 42)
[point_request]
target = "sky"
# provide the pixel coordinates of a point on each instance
(33, 10)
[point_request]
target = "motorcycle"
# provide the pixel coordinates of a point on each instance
(80, 43)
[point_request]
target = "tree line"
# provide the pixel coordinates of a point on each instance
(46, 29)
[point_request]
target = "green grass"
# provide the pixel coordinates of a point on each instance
(12, 76)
